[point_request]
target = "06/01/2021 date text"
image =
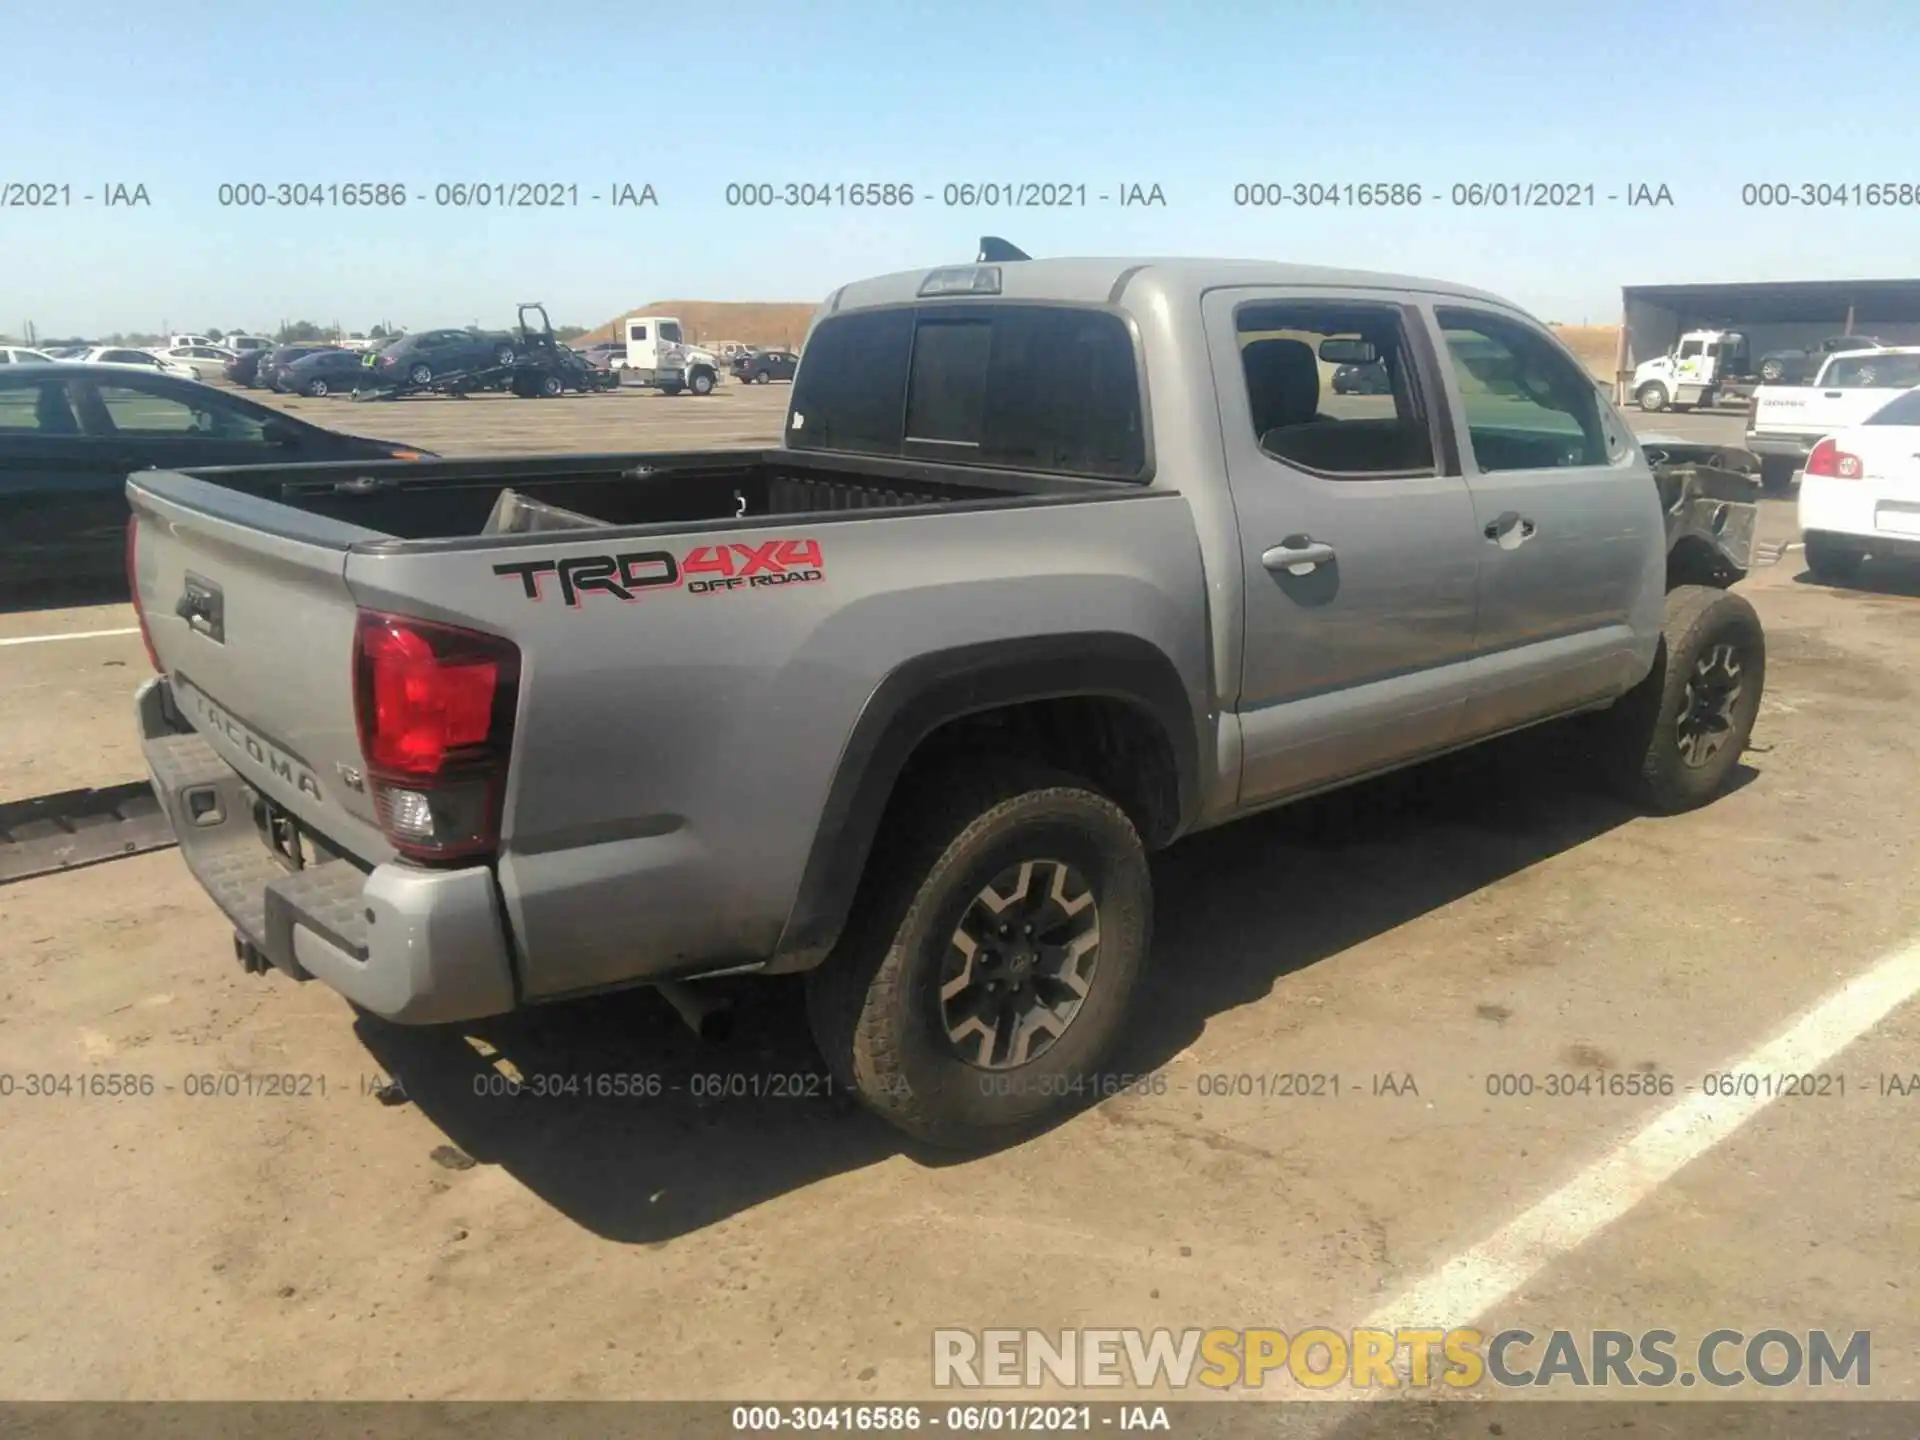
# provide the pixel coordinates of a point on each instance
(952, 195)
(1464, 194)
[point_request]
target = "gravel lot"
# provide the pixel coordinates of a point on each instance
(1486, 915)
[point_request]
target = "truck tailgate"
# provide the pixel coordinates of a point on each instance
(247, 609)
(1797, 409)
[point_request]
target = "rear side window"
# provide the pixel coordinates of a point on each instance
(36, 406)
(1030, 387)
(1870, 372)
(1903, 411)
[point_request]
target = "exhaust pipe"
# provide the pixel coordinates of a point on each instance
(252, 961)
(708, 1015)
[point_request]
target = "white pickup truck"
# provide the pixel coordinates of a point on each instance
(1787, 421)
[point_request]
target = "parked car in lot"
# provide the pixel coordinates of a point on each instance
(760, 367)
(22, 355)
(242, 344)
(207, 362)
(419, 359)
(1785, 422)
(322, 372)
(1860, 493)
(1361, 380)
(133, 359)
(1791, 366)
(273, 369)
(70, 434)
(244, 368)
(1012, 626)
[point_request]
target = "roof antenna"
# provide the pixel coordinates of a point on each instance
(994, 250)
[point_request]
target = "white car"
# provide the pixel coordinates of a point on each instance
(142, 359)
(208, 362)
(21, 355)
(1860, 493)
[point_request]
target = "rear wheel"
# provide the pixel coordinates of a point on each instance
(1776, 474)
(1672, 742)
(503, 355)
(552, 386)
(1651, 396)
(1831, 558)
(1772, 371)
(987, 970)
(420, 374)
(761, 377)
(317, 388)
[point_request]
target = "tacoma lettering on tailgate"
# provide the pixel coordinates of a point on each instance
(703, 570)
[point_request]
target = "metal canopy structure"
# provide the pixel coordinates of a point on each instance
(1773, 314)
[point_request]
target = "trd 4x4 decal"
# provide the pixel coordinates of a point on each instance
(703, 570)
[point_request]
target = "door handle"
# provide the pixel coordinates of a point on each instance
(1509, 528)
(1297, 559)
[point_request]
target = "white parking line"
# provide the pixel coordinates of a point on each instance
(70, 635)
(1470, 1284)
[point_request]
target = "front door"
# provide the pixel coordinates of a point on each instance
(1357, 535)
(1568, 517)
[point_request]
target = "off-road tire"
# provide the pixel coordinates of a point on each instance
(875, 1006)
(1651, 397)
(1641, 733)
(1830, 558)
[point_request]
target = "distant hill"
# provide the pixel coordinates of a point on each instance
(711, 321)
(1595, 345)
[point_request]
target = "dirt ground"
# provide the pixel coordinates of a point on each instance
(1490, 915)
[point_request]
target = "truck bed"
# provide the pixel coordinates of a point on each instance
(688, 669)
(451, 500)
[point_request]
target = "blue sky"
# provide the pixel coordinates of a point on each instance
(185, 95)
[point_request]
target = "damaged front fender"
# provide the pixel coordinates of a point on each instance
(1711, 496)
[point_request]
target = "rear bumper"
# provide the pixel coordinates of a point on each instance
(1793, 447)
(413, 945)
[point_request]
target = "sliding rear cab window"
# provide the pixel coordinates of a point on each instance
(1031, 387)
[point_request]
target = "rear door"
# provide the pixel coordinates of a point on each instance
(1567, 517)
(1359, 548)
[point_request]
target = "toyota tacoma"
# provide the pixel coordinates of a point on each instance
(1059, 562)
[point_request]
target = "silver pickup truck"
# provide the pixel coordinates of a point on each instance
(1060, 561)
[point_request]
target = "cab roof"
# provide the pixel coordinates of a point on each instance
(1137, 281)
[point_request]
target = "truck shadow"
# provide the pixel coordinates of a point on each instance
(637, 1131)
(1892, 578)
(79, 593)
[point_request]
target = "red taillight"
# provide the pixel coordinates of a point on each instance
(435, 706)
(1829, 460)
(133, 587)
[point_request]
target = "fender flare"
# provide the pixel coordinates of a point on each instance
(929, 691)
